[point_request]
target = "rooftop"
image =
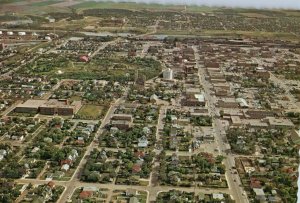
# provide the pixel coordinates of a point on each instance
(32, 103)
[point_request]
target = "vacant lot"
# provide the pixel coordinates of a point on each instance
(90, 112)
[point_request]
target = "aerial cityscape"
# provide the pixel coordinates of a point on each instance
(143, 102)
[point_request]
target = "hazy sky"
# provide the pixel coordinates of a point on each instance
(287, 4)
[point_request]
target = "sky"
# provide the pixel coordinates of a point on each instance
(284, 4)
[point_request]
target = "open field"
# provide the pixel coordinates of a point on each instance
(90, 112)
(126, 5)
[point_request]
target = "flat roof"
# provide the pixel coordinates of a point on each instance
(200, 97)
(236, 119)
(59, 103)
(254, 122)
(32, 103)
(280, 122)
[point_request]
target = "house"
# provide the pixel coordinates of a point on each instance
(51, 184)
(103, 155)
(131, 192)
(66, 161)
(146, 130)
(85, 194)
(242, 102)
(218, 196)
(47, 139)
(143, 142)
(65, 167)
(17, 137)
(84, 58)
(49, 177)
(136, 168)
(259, 194)
(91, 127)
(254, 183)
(153, 98)
(3, 153)
(139, 154)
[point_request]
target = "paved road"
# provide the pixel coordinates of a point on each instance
(73, 183)
(233, 179)
(152, 195)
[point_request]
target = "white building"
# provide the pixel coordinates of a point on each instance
(9, 33)
(168, 74)
(48, 38)
(21, 33)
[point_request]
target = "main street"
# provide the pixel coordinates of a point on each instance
(233, 180)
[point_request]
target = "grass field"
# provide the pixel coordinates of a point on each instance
(90, 112)
(125, 5)
(46, 3)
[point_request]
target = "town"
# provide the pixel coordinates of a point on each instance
(131, 105)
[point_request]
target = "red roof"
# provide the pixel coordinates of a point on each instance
(79, 141)
(139, 154)
(254, 183)
(136, 168)
(85, 194)
(51, 184)
(84, 58)
(66, 161)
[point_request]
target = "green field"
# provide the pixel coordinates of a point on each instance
(125, 5)
(46, 3)
(90, 112)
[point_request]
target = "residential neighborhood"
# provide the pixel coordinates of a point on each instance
(100, 104)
